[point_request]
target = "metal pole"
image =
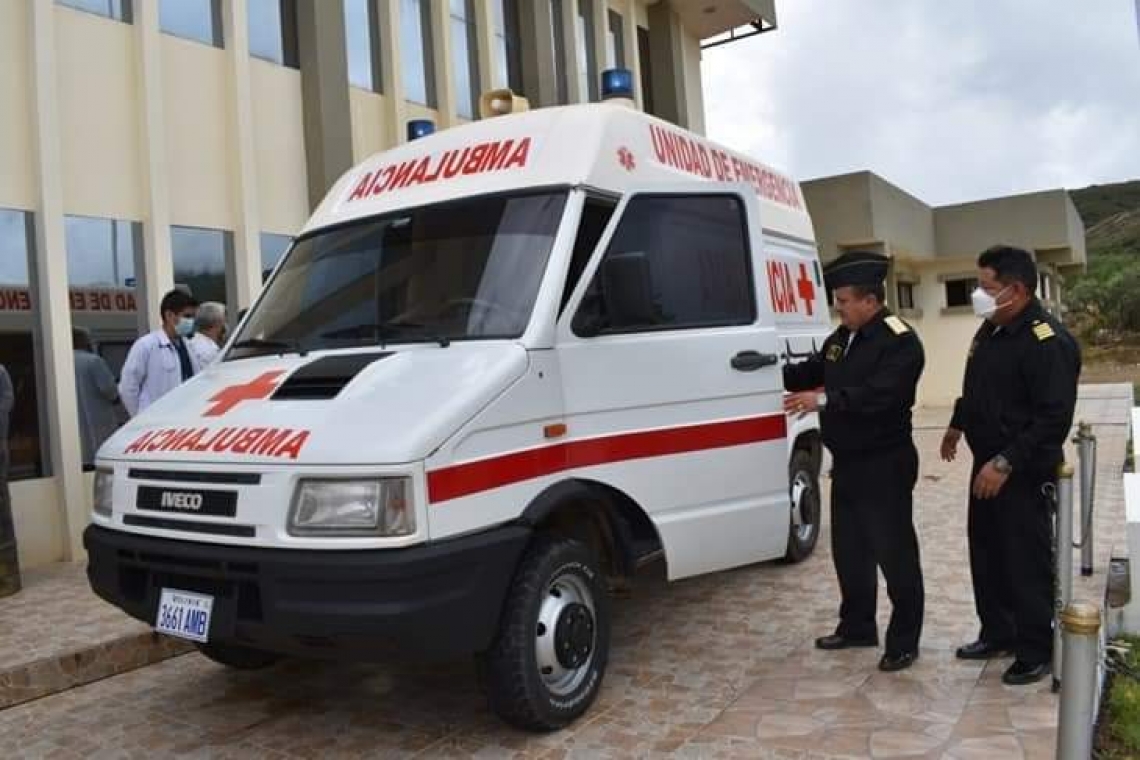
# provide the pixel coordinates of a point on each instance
(1081, 624)
(1064, 555)
(1086, 452)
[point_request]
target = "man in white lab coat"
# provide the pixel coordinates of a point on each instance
(160, 361)
(209, 333)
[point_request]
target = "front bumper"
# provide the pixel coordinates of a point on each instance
(441, 599)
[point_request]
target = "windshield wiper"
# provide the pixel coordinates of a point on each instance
(384, 330)
(282, 346)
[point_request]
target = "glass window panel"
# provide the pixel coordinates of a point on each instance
(615, 46)
(559, 46)
(415, 44)
(688, 255)
(198, 20)
(273, 31)
(362, 41)
(587, 60)
(465, 64)
(958, 292)
(200, 261)
(273, 247)
(120, 10)
(20, 348)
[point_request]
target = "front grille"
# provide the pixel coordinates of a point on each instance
(217, 529)
(175, 476)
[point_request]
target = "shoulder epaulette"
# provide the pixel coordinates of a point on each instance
(1043, 330)
(898, 327)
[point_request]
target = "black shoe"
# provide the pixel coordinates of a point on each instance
(838, 641)
(1022, 673)
(895, 662)
(982, 650)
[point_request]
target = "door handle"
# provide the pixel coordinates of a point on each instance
(750, 361)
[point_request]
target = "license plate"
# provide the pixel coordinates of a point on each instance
(184, 614)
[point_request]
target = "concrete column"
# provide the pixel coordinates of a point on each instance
(392, 69)
(157, 275)
(536, 25)
(326, 106)
(667, 56)
(632, 59)
(53, 308)
(440, 49)
(600, 11)
(246, 280)
(485, 38)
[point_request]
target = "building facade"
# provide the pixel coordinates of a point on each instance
(145, 143)
(934, 253)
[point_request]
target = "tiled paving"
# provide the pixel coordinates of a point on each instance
(56, 634)
(718, 666)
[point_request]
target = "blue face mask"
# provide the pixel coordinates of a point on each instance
(185, 327)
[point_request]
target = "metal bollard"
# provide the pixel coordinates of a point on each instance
(1086, 454)
(1081, 623)
(1063, 553)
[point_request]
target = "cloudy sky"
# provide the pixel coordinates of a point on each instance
(952, 100)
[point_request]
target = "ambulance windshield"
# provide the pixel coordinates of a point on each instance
(455, 271)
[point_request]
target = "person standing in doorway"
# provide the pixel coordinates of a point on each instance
(1017, 405)
(209, 332)
(9, 564)
(96, 397)
(863, 384)
(161, 360)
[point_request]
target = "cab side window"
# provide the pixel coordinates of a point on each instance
(596, 213)
(674, 262)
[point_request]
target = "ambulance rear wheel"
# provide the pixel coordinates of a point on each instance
(803, 526)
(546, 665)
(237, 656)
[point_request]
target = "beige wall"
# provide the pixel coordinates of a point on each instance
(17, 177)
(902, 219)
(279, 139)
(841, 211)
(1034, 220)
(36, 514)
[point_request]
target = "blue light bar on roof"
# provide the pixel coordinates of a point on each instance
(418, 128)
(617, 83)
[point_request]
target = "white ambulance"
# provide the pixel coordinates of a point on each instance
(501, 368)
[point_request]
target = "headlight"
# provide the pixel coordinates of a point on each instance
(353, 508)
(101, 498)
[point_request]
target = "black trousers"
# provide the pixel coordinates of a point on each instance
(872, 527)
(1011, 561)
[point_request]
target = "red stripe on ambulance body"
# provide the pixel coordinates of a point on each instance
(486, 474)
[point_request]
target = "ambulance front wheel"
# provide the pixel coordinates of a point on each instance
(803, 526)
(238, 657)
(546, 664)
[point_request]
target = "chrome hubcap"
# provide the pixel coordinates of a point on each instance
(565, 635)
(803, 506)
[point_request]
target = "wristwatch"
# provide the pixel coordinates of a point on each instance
(821, 400)
(1002, 465)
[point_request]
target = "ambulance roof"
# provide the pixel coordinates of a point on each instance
(604, 146)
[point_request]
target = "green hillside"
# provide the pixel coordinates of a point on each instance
(1105, 301)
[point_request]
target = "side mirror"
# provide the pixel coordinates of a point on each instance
(628, 288)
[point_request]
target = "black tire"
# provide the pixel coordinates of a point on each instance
(237, 656)
(518, 689)
(802, 542)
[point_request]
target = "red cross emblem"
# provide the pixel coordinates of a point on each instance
(806, 289)
(625, 158)
(227, 398)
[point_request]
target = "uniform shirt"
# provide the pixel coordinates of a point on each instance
(870, 378)
(153, 369)
(1020, 391)
(96, 394)
(204, 348)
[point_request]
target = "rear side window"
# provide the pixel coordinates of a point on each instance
(674, 262)
(596, 215)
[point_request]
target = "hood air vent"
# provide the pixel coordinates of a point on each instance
(326, 377)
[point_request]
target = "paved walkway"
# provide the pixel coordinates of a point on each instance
(718, 666)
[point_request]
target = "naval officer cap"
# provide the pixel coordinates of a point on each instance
(856, 268)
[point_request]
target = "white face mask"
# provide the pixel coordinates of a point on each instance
(985, 305)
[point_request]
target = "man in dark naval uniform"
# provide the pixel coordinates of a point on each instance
(1016, 409)
(863, 384)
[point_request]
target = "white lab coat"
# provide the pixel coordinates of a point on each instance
(205, 348)
(151, 371)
